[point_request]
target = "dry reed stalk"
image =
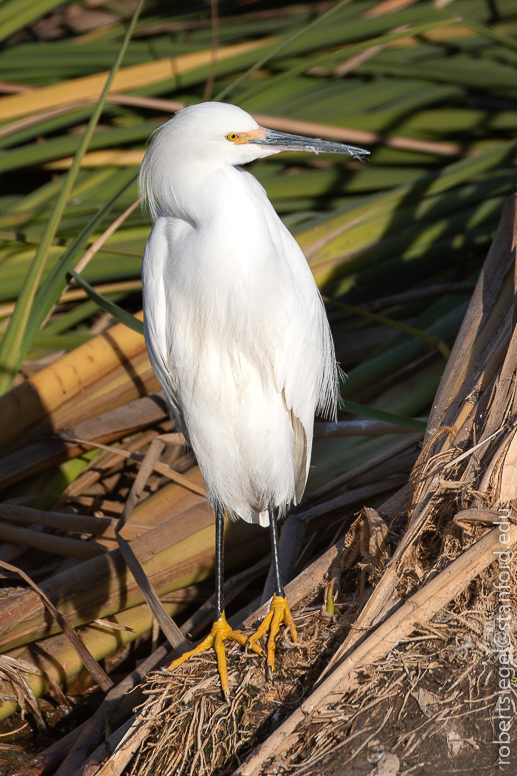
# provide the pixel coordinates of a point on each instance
(59, 545)
(307, 128)
(65, 520)
(51, 388)
(42, 454)
(98, 673)
(77, 294)
(99, 242)
(128, 380)
(59, 662)
(158, 466)
(101, 528)
(127, 747)
(170, 554)
(387, 6)
(127, 78)
(175, 554)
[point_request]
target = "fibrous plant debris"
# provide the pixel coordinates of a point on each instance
(193, 730)
(438, 689)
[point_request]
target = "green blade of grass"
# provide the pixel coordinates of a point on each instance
(77, 315)
(57, 279)
(497, 37)
(16, 15)
(66, 145)
(110, 307)
(390, 417)
(15, 344)
(60, 341)
(383, 319)
(261, 62)
(373, 370)
(330, 60)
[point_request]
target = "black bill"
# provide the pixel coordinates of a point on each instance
(286, 142)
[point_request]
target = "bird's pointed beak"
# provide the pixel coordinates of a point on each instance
(281, 141)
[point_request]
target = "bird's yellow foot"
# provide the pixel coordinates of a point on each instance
(279, 612)
(220, 632)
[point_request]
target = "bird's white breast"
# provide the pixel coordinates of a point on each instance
(243, 344)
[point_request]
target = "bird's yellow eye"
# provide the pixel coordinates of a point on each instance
(232, 136)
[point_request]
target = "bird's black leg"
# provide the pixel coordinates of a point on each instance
(279, 612)
(221, 631)
(273, 517)
(219, 561)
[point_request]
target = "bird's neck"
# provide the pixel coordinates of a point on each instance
(197, 194)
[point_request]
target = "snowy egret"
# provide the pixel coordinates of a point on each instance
(235, 328)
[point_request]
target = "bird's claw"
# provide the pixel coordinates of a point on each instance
(220, 633)
(256, 648)
(279, 613)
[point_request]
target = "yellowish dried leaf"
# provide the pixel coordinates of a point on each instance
(132, 77)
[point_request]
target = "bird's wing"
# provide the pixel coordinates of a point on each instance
(304, 367)
(156, 313)
(307, 369)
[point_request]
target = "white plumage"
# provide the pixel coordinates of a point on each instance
(234, 323)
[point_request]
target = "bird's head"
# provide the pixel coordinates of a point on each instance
(220, 133)
(211, 135)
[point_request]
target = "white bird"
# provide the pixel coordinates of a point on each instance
(235, 328)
